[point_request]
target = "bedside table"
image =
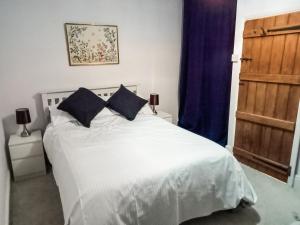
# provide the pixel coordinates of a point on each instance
(27, 155)
(166, 116)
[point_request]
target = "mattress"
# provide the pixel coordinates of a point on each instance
(142, 172)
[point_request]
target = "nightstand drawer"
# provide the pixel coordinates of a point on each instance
(26, 150)
(22, 167)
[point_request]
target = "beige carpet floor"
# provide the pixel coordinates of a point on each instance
(36, 202)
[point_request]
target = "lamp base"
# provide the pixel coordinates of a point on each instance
(154, 110)
(25, 132)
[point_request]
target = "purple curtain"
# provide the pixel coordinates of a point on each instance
(205, 79)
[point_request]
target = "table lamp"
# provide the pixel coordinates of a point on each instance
(23, 117)
(154, 100)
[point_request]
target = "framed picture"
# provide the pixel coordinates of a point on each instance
(92, 44)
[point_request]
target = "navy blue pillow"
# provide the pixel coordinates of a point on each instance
(83, 105)
(126, 103)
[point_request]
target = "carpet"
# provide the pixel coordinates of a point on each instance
(36, 202)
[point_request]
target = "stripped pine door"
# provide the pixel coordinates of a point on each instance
(269, 92)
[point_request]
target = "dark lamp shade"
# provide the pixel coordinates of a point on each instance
(22, 116)
(154, 99)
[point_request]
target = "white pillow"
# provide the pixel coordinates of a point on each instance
(146, 110)
(104, 112)
(105, 98)
(58, 116)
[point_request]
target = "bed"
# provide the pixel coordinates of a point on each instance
(142, 172)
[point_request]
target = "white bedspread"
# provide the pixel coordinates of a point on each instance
(144, 172)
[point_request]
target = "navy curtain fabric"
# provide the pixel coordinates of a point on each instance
(205, 79)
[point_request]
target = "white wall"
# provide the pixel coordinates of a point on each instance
(249, 10)
(4, 180)
(167, 64)
(33, 54)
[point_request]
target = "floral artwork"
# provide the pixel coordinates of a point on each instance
(92, 44)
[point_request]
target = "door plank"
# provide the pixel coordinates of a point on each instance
(293, 103)
(256, 50)
(264, 67)
(247, 142)
(286, 149)
(251, 97)
(278, 47)
(267, 43)
(271, 78)
(263, 159)
(297, 58)
(242, 100)
(272, 31)
(282, 101)
(275, 144)
(238, 141)
(260, 98)
(258, 110)
(289, 54)
(254, 68)
(275, 68)
(271, 96)
(294, 18)
(247, 47)
(267, 121)
(265, 141)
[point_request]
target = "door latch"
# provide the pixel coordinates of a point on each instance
(245, 59)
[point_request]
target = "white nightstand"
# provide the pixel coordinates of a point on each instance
(27, 155)
(164, 115)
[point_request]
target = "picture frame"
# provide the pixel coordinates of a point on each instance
(90, 44)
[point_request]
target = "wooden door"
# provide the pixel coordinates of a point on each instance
(269, 94)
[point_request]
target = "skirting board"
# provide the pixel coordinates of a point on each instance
(7, 200)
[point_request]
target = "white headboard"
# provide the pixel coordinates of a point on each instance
(53, 98)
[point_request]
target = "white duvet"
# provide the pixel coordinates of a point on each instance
(141, 172)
